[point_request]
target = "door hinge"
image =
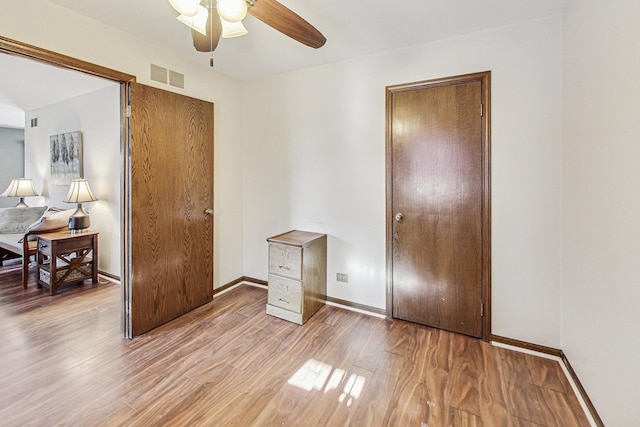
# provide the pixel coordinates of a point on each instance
(481, 110)
(128, 111)
(481, 309)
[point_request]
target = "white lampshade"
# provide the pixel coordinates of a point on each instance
(79, 192)
(20, 187)
(232, 10)
(232, 29)
(185, 7)
(198, 22)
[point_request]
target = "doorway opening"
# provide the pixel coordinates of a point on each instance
(22, 50)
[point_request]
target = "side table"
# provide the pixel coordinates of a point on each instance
(65, 258)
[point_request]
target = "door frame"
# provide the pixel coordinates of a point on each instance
(16, 48)
(485, 79)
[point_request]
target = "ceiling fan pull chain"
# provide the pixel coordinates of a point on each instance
(211, 34)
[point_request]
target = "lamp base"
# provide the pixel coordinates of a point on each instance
(79, 223)
(21, 204)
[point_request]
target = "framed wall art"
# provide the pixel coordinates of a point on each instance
(66, 157)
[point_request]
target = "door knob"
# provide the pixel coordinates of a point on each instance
(399, 217)
(208, 212)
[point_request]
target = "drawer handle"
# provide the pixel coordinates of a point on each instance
(285, 267)
(284, 300)
(43, 246)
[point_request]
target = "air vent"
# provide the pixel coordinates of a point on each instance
(34, 122)
(163, 75)
(158, 74)
(176, 79)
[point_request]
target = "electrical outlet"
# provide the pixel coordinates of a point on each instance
(342, 277)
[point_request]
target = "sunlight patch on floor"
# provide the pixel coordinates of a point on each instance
(315, 375)
(352, 389)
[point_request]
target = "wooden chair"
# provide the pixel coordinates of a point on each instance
(29, 249)
(13, 246)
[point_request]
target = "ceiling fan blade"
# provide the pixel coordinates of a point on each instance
(287, 22)
(207, 43)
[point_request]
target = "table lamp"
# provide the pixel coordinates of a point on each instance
(79, 192)
(20, 187)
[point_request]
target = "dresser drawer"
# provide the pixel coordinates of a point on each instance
(65, 245)
(285, 293)
(285, 260)
(44, 246)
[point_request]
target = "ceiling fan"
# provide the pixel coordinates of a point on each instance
(213, 19)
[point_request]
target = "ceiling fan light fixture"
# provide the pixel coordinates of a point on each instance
(232, 10)
(232, 29)
(185, 7)
(197, 22)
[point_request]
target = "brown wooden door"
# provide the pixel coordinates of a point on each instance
(169, 264)
(438, 207)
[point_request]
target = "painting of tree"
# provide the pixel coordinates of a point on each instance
(66, 157)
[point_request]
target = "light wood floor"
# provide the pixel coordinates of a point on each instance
(63, 362)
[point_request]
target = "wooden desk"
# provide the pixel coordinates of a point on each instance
(65, 258)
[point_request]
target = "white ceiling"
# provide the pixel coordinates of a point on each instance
(26, 85)
(35, 84)
(352, 28)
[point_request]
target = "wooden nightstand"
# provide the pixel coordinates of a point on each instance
(65, 258)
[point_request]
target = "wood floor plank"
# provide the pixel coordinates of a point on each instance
(63, 361)
(526, 402)
(519, 422)
(374, 403)
(436, 377)
(400, 338)
(252, 391)
(410, 404)
(310, 371)
(334, 404)
(493, 390)
(466, 369)
(547, 373)
(559, 411)
(332, 381)
(375, 344)
(514, 367)
(460, 418)
(168, 394)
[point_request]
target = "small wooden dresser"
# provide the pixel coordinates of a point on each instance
(297, 275)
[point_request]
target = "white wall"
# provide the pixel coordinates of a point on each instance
(71, 34)
(97, 116)
(601, 296)
(11, 162)
(314, 159)
(11, 117)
